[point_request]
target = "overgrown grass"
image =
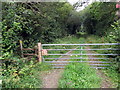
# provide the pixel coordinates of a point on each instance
(79, 75)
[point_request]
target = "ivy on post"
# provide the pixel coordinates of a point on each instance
(40, 52)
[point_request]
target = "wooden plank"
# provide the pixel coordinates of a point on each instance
(28, 49)
(36, 51)
(29, 54)
(39, 52)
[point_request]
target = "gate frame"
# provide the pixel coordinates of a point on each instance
(81, 49)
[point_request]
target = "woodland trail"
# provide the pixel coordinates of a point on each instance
(106, 82)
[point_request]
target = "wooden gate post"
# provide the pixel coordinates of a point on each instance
(40, 52)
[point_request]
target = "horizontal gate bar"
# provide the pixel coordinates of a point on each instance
(100, 67)
(29, 54)
(76, 61)
(100, 64)
(58, 64)
(79, 58)
(28, 49)
(89, 64)
(82, 44)
(58, 67)
(83, 49)
(83, 54)
(90, 67)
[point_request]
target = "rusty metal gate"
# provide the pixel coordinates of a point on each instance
(62, 59)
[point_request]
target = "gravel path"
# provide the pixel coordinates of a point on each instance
(50, 78)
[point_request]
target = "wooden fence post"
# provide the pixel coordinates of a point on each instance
(21, 47)
(40, 52)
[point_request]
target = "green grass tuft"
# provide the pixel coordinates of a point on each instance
(79, 75)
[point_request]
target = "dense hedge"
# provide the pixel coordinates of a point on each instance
(33, 23)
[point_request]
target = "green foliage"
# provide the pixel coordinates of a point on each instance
(114, 34)
(33, 23)
(81, 34)
(98, 17)
(74, 22)
(94, 19)
(21, 73)
(45, 22)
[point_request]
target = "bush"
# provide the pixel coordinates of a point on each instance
(21, 73)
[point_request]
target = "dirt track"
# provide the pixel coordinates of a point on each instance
(50, 78)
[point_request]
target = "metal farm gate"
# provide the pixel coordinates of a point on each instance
(59, 60)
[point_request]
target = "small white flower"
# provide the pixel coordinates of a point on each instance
(0, 81)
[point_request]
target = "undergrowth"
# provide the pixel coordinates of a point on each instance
(21, 73)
